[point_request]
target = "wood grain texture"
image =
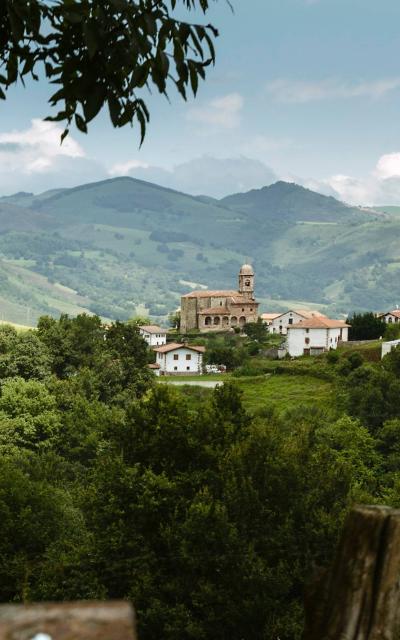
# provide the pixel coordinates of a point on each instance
(359, 599)
(68, 621)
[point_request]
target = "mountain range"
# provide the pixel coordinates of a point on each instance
(124, 246)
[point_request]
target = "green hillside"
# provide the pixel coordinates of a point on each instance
(116, 246)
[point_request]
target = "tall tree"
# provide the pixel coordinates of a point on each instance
(104, 52)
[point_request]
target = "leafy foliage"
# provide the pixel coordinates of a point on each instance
(366, 326)
(104, 53)
(211, 519)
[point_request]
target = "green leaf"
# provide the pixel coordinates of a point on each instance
(80, 123)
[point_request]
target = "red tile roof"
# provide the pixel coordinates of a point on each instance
(222, 311)
(210, 294)
(152, 328)
(395, 312)
(304, 313)
(321, 322)
(173, 346)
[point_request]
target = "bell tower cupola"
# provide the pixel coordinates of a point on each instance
(246, 281)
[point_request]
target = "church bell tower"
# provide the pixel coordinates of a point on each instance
(246, 281)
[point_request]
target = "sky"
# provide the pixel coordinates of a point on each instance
(303, 90)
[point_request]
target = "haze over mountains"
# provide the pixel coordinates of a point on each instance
(117, 246)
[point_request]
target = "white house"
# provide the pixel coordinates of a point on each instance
(154, 335)
(388, 346)
(391, 316)
(284, 320)
(315, 335)
(180, 359)
(267, 318)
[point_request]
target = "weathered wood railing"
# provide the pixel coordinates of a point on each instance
(358, 599)
(68, 621)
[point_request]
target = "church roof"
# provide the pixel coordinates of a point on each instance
(210, 294)
(223, 311)
(246, 270)
(395, 312)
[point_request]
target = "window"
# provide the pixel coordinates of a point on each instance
(187, 368)
(290, 320)
(176, 356)
(307, 330)
(188, 356)
(307, 340)
(175, 368)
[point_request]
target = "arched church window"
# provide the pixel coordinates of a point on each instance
(207, 321)
(217, 320)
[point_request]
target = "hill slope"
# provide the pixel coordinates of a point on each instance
(115, 246)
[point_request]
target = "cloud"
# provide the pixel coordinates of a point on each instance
(33, 159)
(300, 91)
(124, 168)
(223, 112)
(206, 175)
(380, 186)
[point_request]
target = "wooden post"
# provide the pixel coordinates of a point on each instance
(67, 621)
(359, 599)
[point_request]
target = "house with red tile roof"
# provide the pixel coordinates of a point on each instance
(179, 359)
(391, 317)
(313, 336)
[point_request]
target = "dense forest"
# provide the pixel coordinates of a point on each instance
(210, 518)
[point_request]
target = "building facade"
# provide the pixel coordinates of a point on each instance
(280, 323)
(391, 317)
(221, 310)
(315, 336)
(179, 359)
(154, 335)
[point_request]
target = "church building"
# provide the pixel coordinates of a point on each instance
(221, 310)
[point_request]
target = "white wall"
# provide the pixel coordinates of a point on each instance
(280, 325)
(388, 346)
(182, 365)
(154, 339)
(317, 338)
(390, 319)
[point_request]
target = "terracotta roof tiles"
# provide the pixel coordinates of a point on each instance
(173, 346)
(321, 322)
(152, 328)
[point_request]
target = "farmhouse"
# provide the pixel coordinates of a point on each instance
(154, 335)
(315, 335)
(281, 322)
(267, 318)
(218, 310)
(179, 359)
(391, 316)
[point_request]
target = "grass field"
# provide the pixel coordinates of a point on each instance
(282, 391)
